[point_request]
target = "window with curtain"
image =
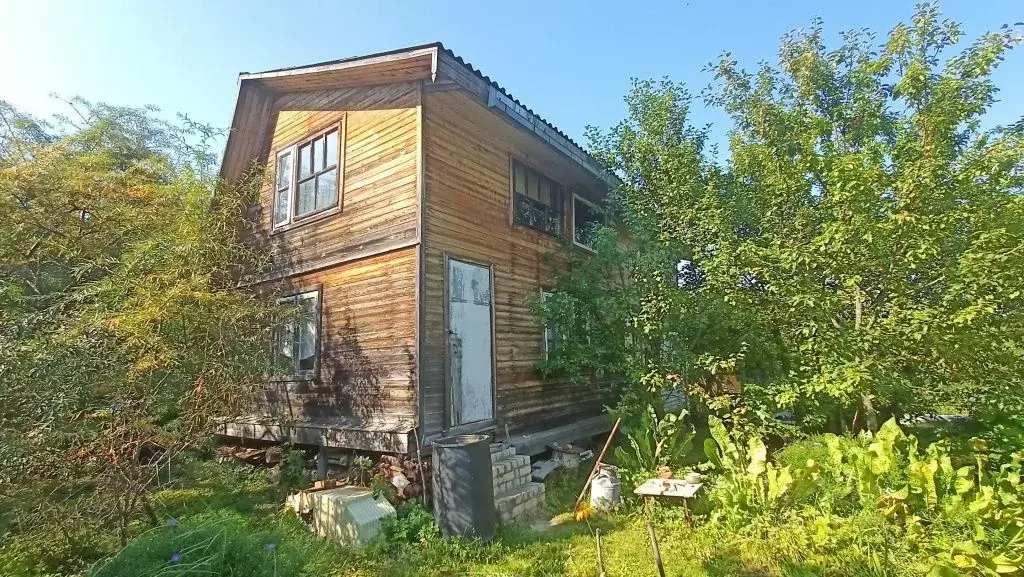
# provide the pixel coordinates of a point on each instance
(537, 200)
(296, 342)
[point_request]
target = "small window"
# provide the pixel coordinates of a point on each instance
(550, 334)
(586, 219)
(307, 178)
(296, 343)
(537, 200)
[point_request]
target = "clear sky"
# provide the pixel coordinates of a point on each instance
(569, 61)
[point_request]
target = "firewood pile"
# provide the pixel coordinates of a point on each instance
(247, 455)
(409, 477)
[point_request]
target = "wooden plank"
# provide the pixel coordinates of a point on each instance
(315, 435)
(537, 442)
(407, 64)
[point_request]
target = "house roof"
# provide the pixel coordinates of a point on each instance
(407, 64)
(435, 45)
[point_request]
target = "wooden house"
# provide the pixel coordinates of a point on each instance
(410, 205)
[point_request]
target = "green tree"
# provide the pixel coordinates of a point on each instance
(864, 241)
(123, 335)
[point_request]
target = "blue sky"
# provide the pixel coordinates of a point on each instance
(570, 61)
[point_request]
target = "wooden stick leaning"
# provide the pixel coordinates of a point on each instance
(597, 464)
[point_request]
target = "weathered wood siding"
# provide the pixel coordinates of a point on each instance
(367, 343)
(363, 257)
(467, 213)
(379, 194)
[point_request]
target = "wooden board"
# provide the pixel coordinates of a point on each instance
(367, 343)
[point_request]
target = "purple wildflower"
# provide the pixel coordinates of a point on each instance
(175, 558)
(271, 546)
(172, 522)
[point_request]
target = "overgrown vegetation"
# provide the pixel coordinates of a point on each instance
(123, 334)
(856, 255)
(854, 262)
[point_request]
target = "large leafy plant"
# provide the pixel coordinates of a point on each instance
(889, 472)
(654, 441)
(746, 484)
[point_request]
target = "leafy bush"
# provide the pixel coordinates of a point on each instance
(225, 544)
(831, 491)
(412, 524)
(295, 469)
(964, 520)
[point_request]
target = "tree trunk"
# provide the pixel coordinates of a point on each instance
(870, 415)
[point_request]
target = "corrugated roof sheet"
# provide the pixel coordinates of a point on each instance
(458, 59)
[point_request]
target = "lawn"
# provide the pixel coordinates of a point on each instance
(228, 519)
(239, 501)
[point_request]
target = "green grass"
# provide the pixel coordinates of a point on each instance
(234, 507)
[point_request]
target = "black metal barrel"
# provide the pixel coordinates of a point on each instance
(464, 487)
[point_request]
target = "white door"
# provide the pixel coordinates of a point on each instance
(469, 342)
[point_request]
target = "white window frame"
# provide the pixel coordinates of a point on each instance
(293, 180)
(594, 207)
(290, 152)
(295, 371)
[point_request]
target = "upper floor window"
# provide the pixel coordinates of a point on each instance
(586, 219)
(296, 344)
(537, 200)
(307, 178)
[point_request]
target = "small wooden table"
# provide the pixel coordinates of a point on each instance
(679, 488)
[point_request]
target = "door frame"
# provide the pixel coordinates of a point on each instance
(450, 399)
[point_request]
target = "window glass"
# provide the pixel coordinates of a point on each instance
(283, 348)
(305, 160)
(550, 334)
(307, 197)
(545, 192)
(318, 154)
(327, 189)
(282, 188)
(306, 334)
(284, 171)
(281, 206)
(586, 219)
(332, 148)
(295, 344)
(519, 178)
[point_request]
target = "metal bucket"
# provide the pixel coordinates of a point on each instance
(605, 489)
(464, 487)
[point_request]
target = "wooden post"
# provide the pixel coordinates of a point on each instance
(600, 556)
(321, 463)
(654, 548)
